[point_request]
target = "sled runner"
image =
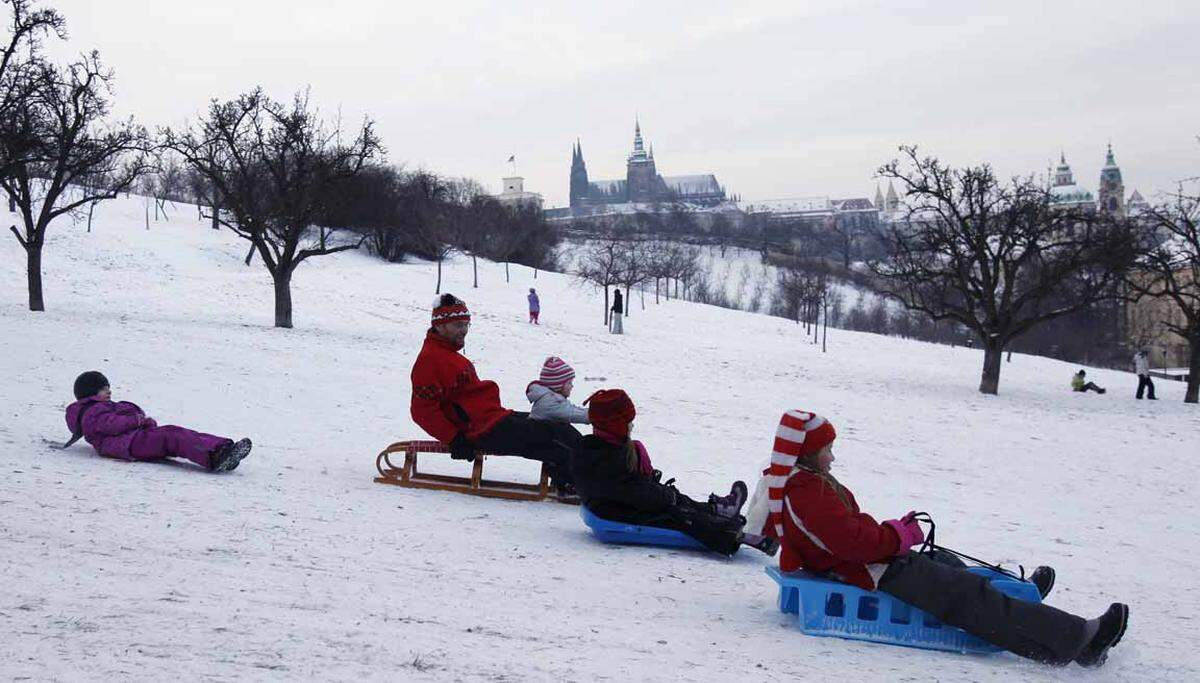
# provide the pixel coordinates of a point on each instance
(409, 476)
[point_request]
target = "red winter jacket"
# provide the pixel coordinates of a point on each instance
(823, 534)
(445, 388)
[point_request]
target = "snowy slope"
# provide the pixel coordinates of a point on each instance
(298, 566)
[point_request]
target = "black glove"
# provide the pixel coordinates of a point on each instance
(461, 448)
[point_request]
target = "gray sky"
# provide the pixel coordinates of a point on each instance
(778, 99)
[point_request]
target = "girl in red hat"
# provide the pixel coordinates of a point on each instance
(822, 530)
(616, 481)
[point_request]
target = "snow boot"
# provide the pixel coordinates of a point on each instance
(1108, 633)
(1043, 578)
(230, 455)
(730, 505)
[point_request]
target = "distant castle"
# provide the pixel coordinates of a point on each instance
(642, 183)
(1064, 192)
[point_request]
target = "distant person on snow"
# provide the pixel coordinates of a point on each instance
(454, 406)
(535, 306)
(550, 392)
(122, 430)
(1079, 383)
(615, 326)
(822, 530)
(617, 481)
(1141, 365)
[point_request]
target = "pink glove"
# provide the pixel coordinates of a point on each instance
(908, 530)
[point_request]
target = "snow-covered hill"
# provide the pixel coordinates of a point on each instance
(298, 566)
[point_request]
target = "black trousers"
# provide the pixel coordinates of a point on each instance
(1144, 383)
(959, 598)
(548, 442)
(719, 534)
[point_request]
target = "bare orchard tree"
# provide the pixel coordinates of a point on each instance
(634, 265)
(70, 156)
(1168, 268)
(21, 63)
(423, 215)
(999, 258)
(600, 264)
(273, 165)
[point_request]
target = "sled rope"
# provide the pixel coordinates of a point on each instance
(929, 546)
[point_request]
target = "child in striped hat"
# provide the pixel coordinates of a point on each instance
(822, 530)
(550, 391)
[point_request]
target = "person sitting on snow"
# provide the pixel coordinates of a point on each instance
(822, 530)
(121, 430)
(454, 406)
(616, 480)
(1078, 383)
(550, 392)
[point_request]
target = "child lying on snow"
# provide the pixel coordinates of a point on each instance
(616, 481)
(549, 394)
(822, 530)
(122, 430)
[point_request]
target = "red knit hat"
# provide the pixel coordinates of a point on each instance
(449, 308)
(611, 410)
(556, 373)
(799, 434)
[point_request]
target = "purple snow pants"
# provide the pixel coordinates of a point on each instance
(170, 441)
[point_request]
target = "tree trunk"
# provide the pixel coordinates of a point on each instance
(475, 271)
(606, 305)
(147, 214)
(216, 211)
(506, 271)
(250, 254)
(12, 204)
(91, 207)
(993, 354)
(1193, 384)
(283, 299)
(33, 253)
(438, 288)
(626, 311)
(656, 290)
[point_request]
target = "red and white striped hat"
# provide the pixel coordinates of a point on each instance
(799, 433)
(556, 373)
(449, 308)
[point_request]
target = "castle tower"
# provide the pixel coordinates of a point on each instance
(641, 177)
(878, 199)
(892, 203)
(579, 177)
(1112, 189)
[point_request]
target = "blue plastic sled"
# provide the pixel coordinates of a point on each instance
(830, 608)
(622, 532)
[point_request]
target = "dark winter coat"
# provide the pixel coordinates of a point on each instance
(823, 533)
(607, 486)
(448, 397)
(618, 305)
(109, 426)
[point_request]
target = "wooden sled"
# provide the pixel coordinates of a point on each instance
(409, 476)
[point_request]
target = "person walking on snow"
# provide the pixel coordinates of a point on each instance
(1079, 383)
(617, 481)
(119, 429)
(550, 392)
(821, 529)
(1141, 365)
(454, 406)
(618, 308)
(535, 306)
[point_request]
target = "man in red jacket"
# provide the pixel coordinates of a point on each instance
(454, 406)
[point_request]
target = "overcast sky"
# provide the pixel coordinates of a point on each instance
(778, 99)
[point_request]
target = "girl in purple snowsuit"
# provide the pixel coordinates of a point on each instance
(121, 430)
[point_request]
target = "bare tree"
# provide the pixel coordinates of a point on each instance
(66, 144)
(423, 200)
(998, 258)
(1168, 268)
(600, 264)
(273, 165)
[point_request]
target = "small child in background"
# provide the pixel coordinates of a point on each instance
(121, 430)
(549, 394)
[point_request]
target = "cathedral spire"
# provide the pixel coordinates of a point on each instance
(1108, 158)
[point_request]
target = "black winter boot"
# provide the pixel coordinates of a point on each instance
(1043, 578)
(1108, 634)
(230, 455)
